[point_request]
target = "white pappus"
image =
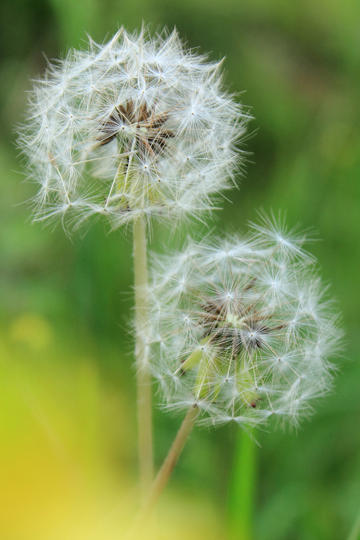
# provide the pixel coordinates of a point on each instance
(242, 328)
(137, 126)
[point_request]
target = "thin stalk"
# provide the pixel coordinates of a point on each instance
(144, 410)
(164, 474)
(171, 459)
(242, 488)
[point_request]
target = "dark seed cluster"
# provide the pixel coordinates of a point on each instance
(247, 327)
(150, 133)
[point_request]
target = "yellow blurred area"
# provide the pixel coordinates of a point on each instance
(31, 330)
(67, 450)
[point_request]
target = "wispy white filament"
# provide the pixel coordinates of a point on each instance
(242, 328)
(137, 126)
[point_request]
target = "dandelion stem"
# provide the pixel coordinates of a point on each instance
(144, 413)
(164, 473)
(170, 461)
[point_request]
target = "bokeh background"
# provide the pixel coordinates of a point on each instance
(67, 428)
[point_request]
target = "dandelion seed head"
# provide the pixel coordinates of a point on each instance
(247, 340)
(137, 126)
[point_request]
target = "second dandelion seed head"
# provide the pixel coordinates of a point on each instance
(242, 329)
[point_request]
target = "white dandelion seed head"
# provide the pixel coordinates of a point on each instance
(137, 126)
(245, 327)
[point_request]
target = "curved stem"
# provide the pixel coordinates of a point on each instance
(171, 459)
(144, 411)
(165, 471)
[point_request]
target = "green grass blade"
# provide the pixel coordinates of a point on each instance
(355, 531)
(242, 488)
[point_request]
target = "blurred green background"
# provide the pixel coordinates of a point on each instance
(67, 429)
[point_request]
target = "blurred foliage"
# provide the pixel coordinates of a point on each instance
(67, 419)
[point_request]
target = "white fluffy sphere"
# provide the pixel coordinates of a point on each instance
(242, 328)
(138, 126)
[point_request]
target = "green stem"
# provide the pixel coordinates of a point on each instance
(162, 477)
(144, 410)
(164, 473)
(171, 459)
(355, 531)
(242, 488)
